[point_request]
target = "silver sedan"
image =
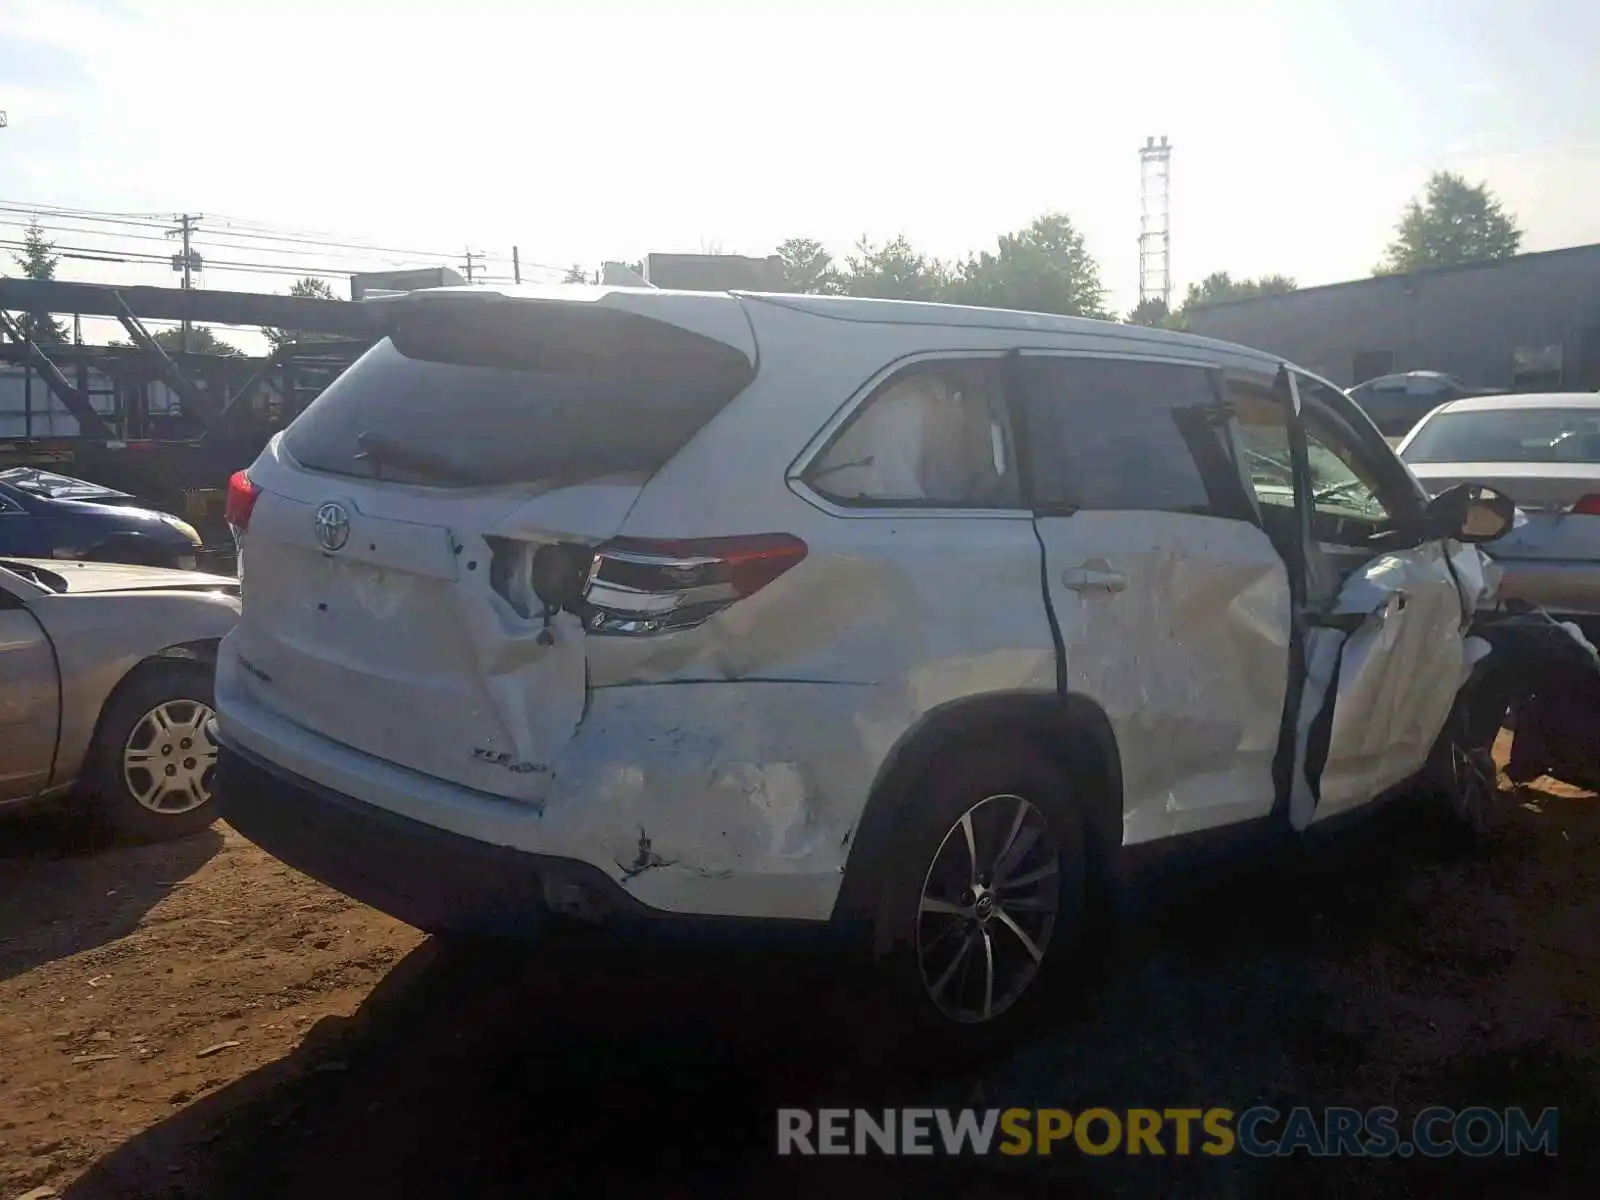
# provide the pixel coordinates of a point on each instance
(105, 682)
(1544, 452)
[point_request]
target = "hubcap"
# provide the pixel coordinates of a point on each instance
(168, 758)
(988, 908)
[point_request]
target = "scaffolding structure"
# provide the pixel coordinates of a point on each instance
(167, 426)
(1155, 228)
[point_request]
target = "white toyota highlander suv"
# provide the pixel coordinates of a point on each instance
(919, 620)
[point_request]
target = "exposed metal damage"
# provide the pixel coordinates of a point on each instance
(1376, 685)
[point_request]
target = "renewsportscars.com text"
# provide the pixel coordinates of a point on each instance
(1260, 1132)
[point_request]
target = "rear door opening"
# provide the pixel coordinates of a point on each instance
(389, 555)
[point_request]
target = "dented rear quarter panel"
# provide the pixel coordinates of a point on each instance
(748, 747)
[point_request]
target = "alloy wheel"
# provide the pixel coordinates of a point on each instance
(988, 908)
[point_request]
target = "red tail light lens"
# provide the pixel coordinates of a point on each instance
(241, 501)
(1588, 505)
(642, 586)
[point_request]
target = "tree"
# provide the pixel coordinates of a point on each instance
(894, 271)
(201, 341)
(1152, 312)
(576, 274)
(39, 260)
(808, 268)
(1454, 222)
(308, 287)
(1043, 268)
(1220, 287)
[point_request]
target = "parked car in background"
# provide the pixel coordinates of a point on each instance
(46, 515)
(1544, 452)
(919, 621)
(105, 689)
(1397, 402)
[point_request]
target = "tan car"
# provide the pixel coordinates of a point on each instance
(105, 681)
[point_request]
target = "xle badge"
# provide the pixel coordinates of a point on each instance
(502, 759)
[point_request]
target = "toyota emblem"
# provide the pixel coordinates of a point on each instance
(333, 526)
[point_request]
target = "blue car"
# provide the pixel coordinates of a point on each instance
(45, 515)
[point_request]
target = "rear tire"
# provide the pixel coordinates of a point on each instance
(981, 909)
(152, 763)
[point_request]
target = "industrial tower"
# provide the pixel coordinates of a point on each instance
(1155, 230)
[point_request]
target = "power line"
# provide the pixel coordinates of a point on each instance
(240, 230)
(212, 239)
(239, 235)
(146, 259)
(246, 230)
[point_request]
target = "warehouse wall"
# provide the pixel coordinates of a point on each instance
(1467, 321)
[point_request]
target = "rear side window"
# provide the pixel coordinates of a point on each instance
(1127, 435)
(471, 399)
(934, 435)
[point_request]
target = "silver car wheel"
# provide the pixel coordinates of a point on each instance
(988, 908)
(168, 757)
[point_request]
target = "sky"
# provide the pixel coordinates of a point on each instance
(601, 129)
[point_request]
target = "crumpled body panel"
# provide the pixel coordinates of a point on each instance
(1189, 660)
(1382, 672)
(726, 768)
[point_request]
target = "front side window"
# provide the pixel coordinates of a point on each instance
(934, 435)
(1345, 484)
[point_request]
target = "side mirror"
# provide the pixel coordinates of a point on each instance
(1472, 512)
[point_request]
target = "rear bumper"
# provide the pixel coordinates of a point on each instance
(725, 819)
(429, 877)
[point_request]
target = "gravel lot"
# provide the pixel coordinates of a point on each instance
(197, 1020)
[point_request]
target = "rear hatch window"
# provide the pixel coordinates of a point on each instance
(468, 393)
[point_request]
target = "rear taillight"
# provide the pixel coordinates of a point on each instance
(241, 501)
(1589, 505)
(643, 586)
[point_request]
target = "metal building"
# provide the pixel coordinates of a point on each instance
(714, 272)
(1529, 323)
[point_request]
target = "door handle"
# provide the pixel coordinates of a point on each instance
(1096, 575)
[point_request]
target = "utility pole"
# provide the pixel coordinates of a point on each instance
(187, 262)
(516, 265)
(471, 257)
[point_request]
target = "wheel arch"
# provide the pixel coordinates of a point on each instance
(1071, 729)
(202, 651)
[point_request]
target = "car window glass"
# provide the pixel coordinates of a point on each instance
(1343, 483)
(935, 434)
(1263, 432)
(1340, 486)
(1346, 481)
(1529, 435)
(1122, 434)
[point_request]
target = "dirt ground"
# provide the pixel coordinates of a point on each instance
(197, 1020)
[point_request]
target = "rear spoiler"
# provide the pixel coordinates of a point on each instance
(569, 328)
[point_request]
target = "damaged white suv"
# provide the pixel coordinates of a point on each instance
(910, 618)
